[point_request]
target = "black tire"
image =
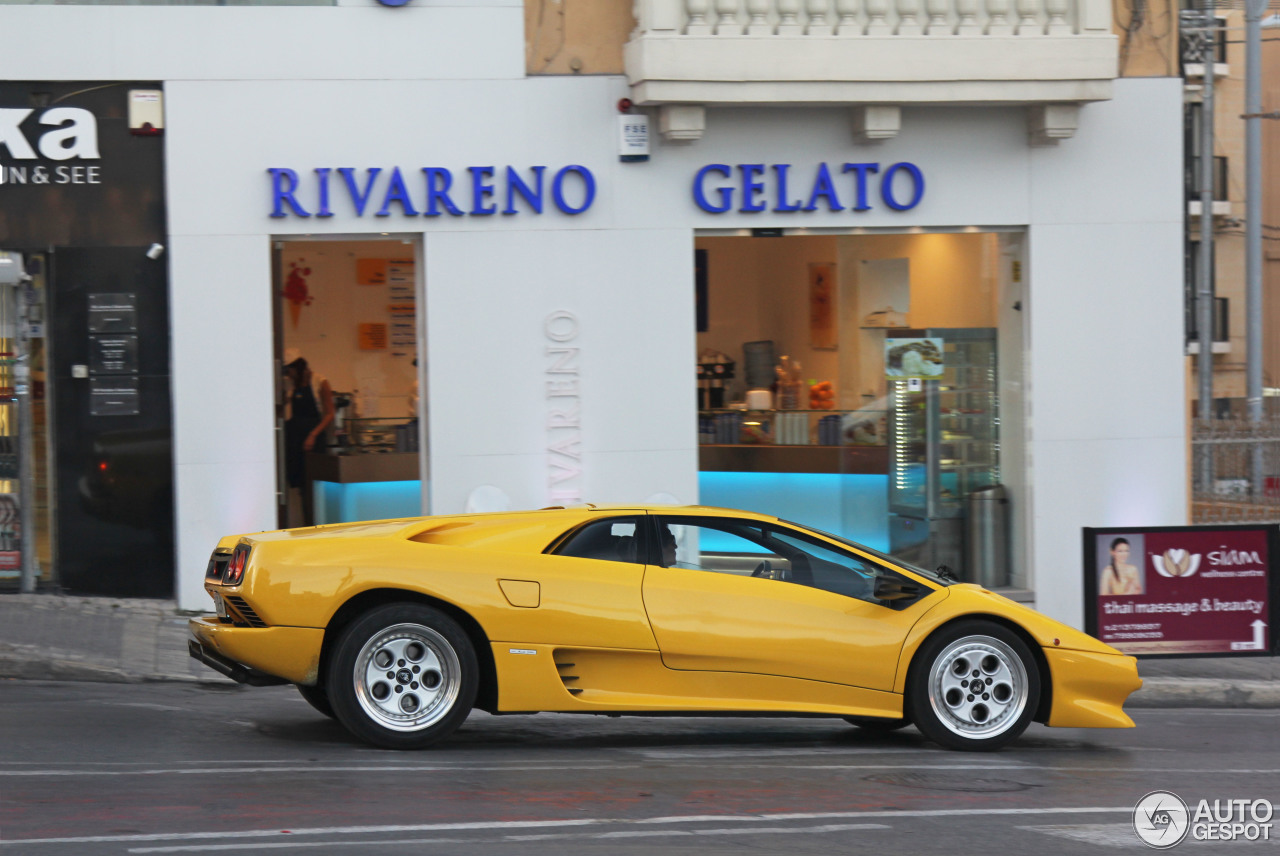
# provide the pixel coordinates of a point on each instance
(403, 676)
(317, 698)
(877, 723)
(944, 671)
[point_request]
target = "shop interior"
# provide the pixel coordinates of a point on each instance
(11, 541)
(868, 385)
(348, 308)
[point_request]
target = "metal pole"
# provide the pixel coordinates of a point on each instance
(1253, 225)
(1204, 273)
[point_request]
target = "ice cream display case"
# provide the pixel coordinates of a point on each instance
(944, 443)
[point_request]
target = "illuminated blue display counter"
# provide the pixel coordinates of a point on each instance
(371, 486)
(839, 489)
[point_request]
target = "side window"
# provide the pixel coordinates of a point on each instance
(825, 567)
(614, 539)
(719, 545)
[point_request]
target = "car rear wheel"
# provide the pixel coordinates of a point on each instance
(973, 685)
(877, 723)
(403, 676)
(317, 698)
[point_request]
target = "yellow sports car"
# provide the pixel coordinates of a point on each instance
(398, 628)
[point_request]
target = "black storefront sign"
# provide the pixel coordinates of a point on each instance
(113, 313)
(113, 355)
(113, 396)
(83, 195)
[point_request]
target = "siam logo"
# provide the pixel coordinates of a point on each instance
(1161, 818)
(1176, 563)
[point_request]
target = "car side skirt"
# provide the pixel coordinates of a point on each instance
(1089, 689)
(538, 677)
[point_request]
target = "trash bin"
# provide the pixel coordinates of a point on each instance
(987, 537)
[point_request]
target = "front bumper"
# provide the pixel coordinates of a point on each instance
(1089, 689)
(257, 656)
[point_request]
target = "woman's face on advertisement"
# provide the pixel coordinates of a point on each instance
(1121, 554)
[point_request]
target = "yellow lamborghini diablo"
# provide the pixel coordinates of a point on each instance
(398, 628)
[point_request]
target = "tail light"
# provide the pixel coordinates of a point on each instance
(235, 568)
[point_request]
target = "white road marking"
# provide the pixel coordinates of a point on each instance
(581, 836)
(1265, 713)
(1105, 834)
(438, 768)
(569, 822)
(195, 771)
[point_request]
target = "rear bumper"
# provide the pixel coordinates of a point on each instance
(258, 656)
(1089, 689)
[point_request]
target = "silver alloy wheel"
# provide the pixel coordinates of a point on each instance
(407, 677)
(978, 687)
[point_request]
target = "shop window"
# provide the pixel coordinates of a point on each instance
(855, 383)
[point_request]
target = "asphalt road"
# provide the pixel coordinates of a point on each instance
(183, 768)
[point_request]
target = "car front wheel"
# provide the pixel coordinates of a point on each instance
(973, 685)
(403, 676)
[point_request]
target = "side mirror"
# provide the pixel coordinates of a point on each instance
(889, 588)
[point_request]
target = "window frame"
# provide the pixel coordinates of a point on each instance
(800, 534)
(644, 536)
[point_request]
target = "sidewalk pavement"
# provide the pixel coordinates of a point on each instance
(123, 640)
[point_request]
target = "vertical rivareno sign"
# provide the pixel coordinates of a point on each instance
(564, 409)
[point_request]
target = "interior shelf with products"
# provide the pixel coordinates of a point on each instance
(793, 441)
(944, 435)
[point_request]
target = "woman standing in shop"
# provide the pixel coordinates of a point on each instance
(310, 413)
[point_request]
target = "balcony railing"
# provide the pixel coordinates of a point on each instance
(1034, 52)
(851, 18)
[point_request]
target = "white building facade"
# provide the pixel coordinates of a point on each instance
(556, 322)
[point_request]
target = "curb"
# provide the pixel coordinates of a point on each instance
(1205, 692)
(29, 663)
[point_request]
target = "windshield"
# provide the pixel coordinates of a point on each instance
(931, 576)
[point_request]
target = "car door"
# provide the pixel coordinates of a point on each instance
(584, 591)
(739, 595)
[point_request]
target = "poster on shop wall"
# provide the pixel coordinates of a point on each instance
(1183, 590)
(402, 291)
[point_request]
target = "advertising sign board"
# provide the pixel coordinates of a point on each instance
(1183, 590)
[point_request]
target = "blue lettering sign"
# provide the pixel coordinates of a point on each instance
(481, 190)
(824, 187)
(438, 183)
(531, 195)
(886, 186)
(750, 187)
(863, 170)
(357, 197)
(323, 176)
(755, 189)
(589, 188)
(397, 192)
(573, 191)
(783, 204)
(700, 196)
(284, 183)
